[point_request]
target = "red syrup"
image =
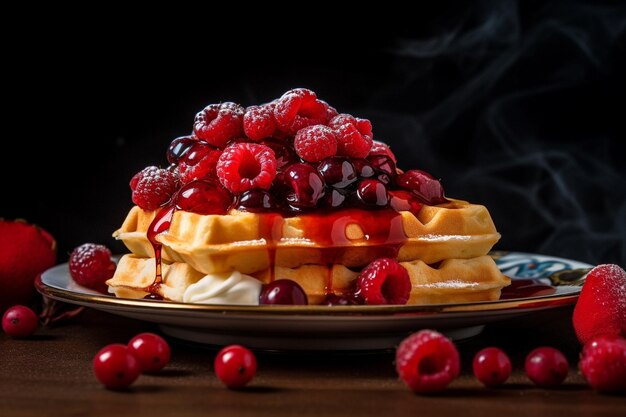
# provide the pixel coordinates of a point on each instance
(271, 230)
(526, 287)
(160, 224)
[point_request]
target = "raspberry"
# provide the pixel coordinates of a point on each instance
(354, 136)
(425, 187)
(380, 148)
(427, 361)
(199, 162)
(152, 187)
(246, 166)
(315, 143)
(330, 111)
(383, 281)
(219, 123)
(91, 265)
(603, 363)
(297, 109)
(258, 122)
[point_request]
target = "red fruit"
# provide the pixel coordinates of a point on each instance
(603, 363)
(153, 187)
(246, 166)
(115, 367)
(337, 171)
(304, 186)
(151, 350)
(372, 193)
(315, 143)
(179, 147)
(285, 154)
(330, 111)
(219, 123)
(546, 367)
(256, 201)
(19, 322)
(258, 122)
(601, 307)
(427, 188)
(297, 109)
(354, 136)
(20, 267)
(205, 196)
(427, 361)
(491, 366)
(383, 281)
(404, 201)
(235, 366)
(198, 162)
(283, 292)
(91, 265)
(380, 148)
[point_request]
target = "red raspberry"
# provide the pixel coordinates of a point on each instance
(258, 122)
(246, 166)
(315, 143)
(427, 361)
(219, 123)
(91, 265)
(603, 363)
(384, 281)
(297, 109)
(153, 187)
(199, 162)
(354, 136)
(330, 111)
(380, 148)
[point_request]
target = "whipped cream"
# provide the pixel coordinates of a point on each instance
(227, 288)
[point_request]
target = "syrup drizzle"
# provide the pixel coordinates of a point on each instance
(160, 224)
(271, 230)
(526, 287)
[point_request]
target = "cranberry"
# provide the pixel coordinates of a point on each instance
(492, 366)
(383, 164)
(151, 350)
(372, 193)
(115, 367)
(304, 186)
(427, 361)
(284, 292)
(546, 367)
(19, 322)
(235, 366)
(337, 171)
(179, 147)
(383, 281)
(204, 197)
(404, 201)
(285, 155)
(423, 185)
(603, 363)
(363, 168)
(256, 201)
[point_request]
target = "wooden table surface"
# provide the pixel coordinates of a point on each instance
(50, 375)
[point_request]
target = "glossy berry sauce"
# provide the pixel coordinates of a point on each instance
(160, 224)
(526, 287)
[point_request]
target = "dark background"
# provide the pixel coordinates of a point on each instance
(516, 105)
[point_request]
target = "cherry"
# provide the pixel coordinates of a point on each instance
(427, 188)
(179, 147)
(546, 367)
(337, 171)
(19, 322)
(335, 198)
(304, 185)
(383, 164)
(151, 350)
(204, 197)
(339, 300)
(404, 201)
(235, 366)
(285, 155)
(115, 366)
(256, 201)
(492, 366)
(363, 168)
(372, 193)
(283, 292)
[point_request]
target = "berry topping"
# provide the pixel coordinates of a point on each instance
(235, 366)
(219, 123)
(19, 322)
(246, 166)
(427, 361)
(337, 171)
(297, 109)
(115, 367)
(404, 201)
(380, 148)
(423, 185)
(91, 265)
(283, 292)
(546, 367)
(384, 281)
(151, 350)
(204, 197)
(372, 193)
(335, 198)
(339, 300)
(603, 363)
(304, 185)
(491, 366)
(330, 111)
(601, 307)
(256, 201)
(258, 122)
(199, 162)
(363, 168)
(383, 165)
(315, 143)
(354, 136)
(153, 187)
(179, 147)
(285, 154)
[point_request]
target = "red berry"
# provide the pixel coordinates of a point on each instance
(315, 143)
(404, 201)
(384, 281)
(115, 367)
(546, 367)
(256, 201)
(372, 193)
(91, 265)
(337, 171)
(283, 292)
(601, 307)
(204, 197)
(235, 366)
(153, 187)
(219, 123)
(151, 350)
(427, 188)
(304, 185)
(354, 136)
(246, 166)
(297, 109)
(380, 148)
(258, 122)
(285, 154)
(427, 361)
(19, 322)
(330, 111)
(603, 363)
(179, 147)
(198, 162)
(492, 366)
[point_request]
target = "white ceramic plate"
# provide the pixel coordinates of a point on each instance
(337, 327)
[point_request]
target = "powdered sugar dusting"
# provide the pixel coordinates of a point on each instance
(450, 284)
